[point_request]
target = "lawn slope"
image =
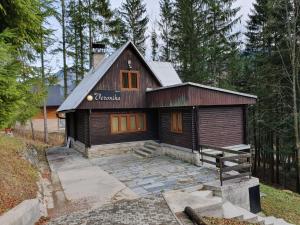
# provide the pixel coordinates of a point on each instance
(281, 203)
(17, 177)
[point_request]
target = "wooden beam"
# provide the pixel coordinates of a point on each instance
(222, 149)
(209, 162)
(236, 157)
(236, 168)
(236, 176)
(195, 218)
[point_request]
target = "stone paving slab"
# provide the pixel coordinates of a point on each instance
(144, 211)
(153, 175)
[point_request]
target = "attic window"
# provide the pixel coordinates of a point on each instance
(129, 80)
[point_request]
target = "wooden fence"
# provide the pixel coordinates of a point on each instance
(227, 160)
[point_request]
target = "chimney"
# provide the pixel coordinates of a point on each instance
(98, 54)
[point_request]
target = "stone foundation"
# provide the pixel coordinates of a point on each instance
(235, 191)
(114, 149)
(26, 213)
(173, 151)
(180, 153)
(78, 146)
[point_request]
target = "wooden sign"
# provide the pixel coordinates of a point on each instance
(107, 95)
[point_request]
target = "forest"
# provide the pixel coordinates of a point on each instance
(199, 37)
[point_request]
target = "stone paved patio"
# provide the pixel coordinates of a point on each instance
(147, 176)
(147, 211)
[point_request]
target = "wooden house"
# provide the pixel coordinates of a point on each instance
(124, 101)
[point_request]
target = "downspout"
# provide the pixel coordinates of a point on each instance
(194, 129)
(89, 128)
(197, 129)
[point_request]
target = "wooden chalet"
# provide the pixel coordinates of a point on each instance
(125, 99)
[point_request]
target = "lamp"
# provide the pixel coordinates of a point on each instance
(129, 64)
(89, 98)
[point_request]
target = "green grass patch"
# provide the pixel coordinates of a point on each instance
(17, 176)
(281, 203)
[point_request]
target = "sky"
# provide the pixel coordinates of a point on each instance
(55, 62)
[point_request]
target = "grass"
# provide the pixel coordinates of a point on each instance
(17, 176)
(281, 203)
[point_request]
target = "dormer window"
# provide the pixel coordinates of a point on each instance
(129, 80)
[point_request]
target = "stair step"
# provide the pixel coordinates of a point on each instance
(271, 220)
(152, 143)
(150, 146)
(146, 149)
(141, 153)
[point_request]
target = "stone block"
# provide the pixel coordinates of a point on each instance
(26, 213)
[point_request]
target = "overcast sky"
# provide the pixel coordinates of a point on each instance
(55, 62)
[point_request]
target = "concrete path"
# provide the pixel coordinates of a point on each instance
(84, 183)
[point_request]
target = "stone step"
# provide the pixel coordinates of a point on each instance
(150, 146)
(147, 150)
(201, 201)
(152, 143)
(283, 222)
(141, 153)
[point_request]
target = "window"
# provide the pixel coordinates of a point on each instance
(129, 80)
(176, 122)
(124, 123)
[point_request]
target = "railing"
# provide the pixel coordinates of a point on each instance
(227, 160)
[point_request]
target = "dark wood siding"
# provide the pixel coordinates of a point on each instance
(183, 139)
(221, 126)
(189, 95)
(101, 130)
(111, 81)
(82, 126)
(71, 125)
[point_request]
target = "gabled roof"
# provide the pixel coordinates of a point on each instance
(205, 87)
(166, 72)
(55, 95)
(193, 94)
(95, 75)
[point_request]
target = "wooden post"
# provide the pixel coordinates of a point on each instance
(221, 170)
(193, 216)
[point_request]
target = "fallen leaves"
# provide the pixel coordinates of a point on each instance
(17, 176)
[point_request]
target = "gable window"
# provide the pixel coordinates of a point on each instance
(129, 80)
(124, 123)
(176, 122)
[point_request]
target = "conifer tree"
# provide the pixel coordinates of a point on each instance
(133, 13)
(154, 45)
(188, 30)
(165, 24)
(222, 42)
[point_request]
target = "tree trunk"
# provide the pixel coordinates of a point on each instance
(45, 122)
(90, 36)
(277, 161)
(255, 143)
(44, 88)
(81, 42)
(64, 48)
(32, 130)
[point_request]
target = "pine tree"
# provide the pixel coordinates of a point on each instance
(133, 13)
(222, 42)
(154, 45)
(188, 29)
(20, 31)
(271, 75)
(64, 49)
(166, 23)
